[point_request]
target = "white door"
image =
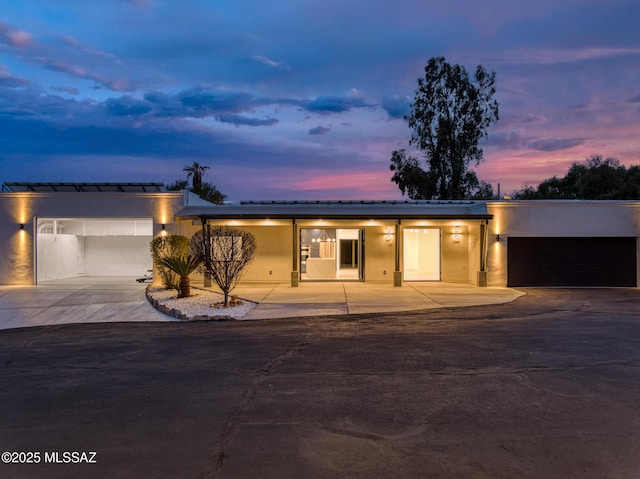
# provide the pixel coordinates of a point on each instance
(421, 254)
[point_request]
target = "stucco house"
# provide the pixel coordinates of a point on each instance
(56, 230)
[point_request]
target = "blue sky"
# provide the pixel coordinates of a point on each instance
(304, 99)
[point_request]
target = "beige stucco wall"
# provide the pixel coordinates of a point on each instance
(460, 261)
(273, 260)
(556, 218)
(17, 260)
(380, 243)
(275, 249)
(274, 239)
(455, 255)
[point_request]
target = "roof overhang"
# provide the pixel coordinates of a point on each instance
(13, 187)
(336, 210)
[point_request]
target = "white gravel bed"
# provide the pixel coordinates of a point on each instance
(199, 304)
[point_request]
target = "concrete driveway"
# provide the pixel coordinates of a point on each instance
(117, 299)
(547, 386)
(76, 300)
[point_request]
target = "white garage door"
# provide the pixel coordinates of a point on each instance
(70, 247)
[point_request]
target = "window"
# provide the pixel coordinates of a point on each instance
(331, 253)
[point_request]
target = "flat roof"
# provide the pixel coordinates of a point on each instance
(340, 210)
(14, 187)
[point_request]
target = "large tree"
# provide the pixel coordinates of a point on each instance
(449, 115)
(597, 178)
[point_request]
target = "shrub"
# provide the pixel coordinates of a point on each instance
(223, 253)
(167, 246)
(183, 266)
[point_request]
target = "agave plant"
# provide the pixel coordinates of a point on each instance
(183, 266)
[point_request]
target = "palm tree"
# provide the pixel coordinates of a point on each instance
(196, 172)
(183, 266)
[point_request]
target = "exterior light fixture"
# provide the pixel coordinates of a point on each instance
(22, 226)
(164, 227)
(498, 238)
(388, 234)
(456, 235)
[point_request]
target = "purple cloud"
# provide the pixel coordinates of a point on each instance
(319, 130)
(15, 37)
(396, 107)
(243, 120)
(555, 144)
(10, 81)
(335, 104)
(202, 102)
(66, 89)
(127, 106)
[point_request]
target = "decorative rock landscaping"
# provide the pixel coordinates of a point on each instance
(201, 305)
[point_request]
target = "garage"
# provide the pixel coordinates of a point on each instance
(577, 261)
(92, 247)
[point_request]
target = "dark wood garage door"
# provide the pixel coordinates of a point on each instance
(571, 262)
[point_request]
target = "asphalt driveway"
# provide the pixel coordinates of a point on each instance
(547, 386)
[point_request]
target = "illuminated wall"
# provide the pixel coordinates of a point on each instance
(455, 254)
(16, 242)
(555, 218)
(17, 258)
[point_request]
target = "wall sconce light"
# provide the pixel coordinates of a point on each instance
(498, 238)
(22, 226)
(164, 226)
(456, 235)
(388, 234)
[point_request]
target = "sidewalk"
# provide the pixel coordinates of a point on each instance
(280, 300)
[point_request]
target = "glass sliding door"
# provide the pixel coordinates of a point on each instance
(330, 253)
(421, 254)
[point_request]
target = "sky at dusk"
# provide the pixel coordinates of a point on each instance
(304, 99)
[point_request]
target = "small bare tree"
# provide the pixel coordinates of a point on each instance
(223, 253)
